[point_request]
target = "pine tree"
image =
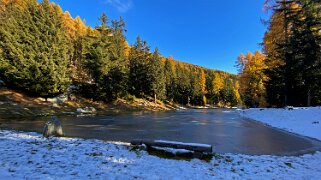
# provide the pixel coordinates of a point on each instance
(157, 76)
(194, 93)
(118, 75)
(98, 60)
(33, 45)
(183, 85)
(293, 53)
(305, 41)
(228, 94)
(170, 79)
(139, 56)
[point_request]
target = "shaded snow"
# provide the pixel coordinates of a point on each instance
(304, 121)
(172, 150)
(29, 156)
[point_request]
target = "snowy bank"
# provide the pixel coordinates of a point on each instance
(303, 121)
(29, 156)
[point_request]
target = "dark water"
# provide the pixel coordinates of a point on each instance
(224, 129)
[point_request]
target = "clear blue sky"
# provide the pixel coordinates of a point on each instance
(209, 33)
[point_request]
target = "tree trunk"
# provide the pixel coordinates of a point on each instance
(309, 98)
(155, 98)
(188, 100)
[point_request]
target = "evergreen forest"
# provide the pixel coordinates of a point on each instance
(45, 52)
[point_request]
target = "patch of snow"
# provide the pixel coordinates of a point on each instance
(29, 156)
(181, 107)
(300, 120)
(182, 143)
(86, 110)
(172, 150)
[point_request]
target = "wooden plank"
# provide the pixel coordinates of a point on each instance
(204, 148)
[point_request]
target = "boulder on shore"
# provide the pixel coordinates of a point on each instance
(53, 128)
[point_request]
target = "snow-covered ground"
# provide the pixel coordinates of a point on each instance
(29, 156)
(304, 121)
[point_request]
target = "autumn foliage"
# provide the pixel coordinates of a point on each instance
(289, 71)
(44, 50)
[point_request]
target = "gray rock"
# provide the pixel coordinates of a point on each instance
(58, 100)
(53, 128)
(72, 97)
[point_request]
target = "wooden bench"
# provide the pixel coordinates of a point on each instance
(197, 148)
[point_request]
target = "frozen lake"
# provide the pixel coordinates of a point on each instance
(224, 129)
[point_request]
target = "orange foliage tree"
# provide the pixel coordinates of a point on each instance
(252, 78)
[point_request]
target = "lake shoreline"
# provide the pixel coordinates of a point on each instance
(304, 121)
(58, 157)
(221, 128)
(14, 105)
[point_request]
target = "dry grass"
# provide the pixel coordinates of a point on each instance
(15, 104)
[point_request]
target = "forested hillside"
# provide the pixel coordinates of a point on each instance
(44, 52)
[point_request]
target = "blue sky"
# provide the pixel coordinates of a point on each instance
(209, 33)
